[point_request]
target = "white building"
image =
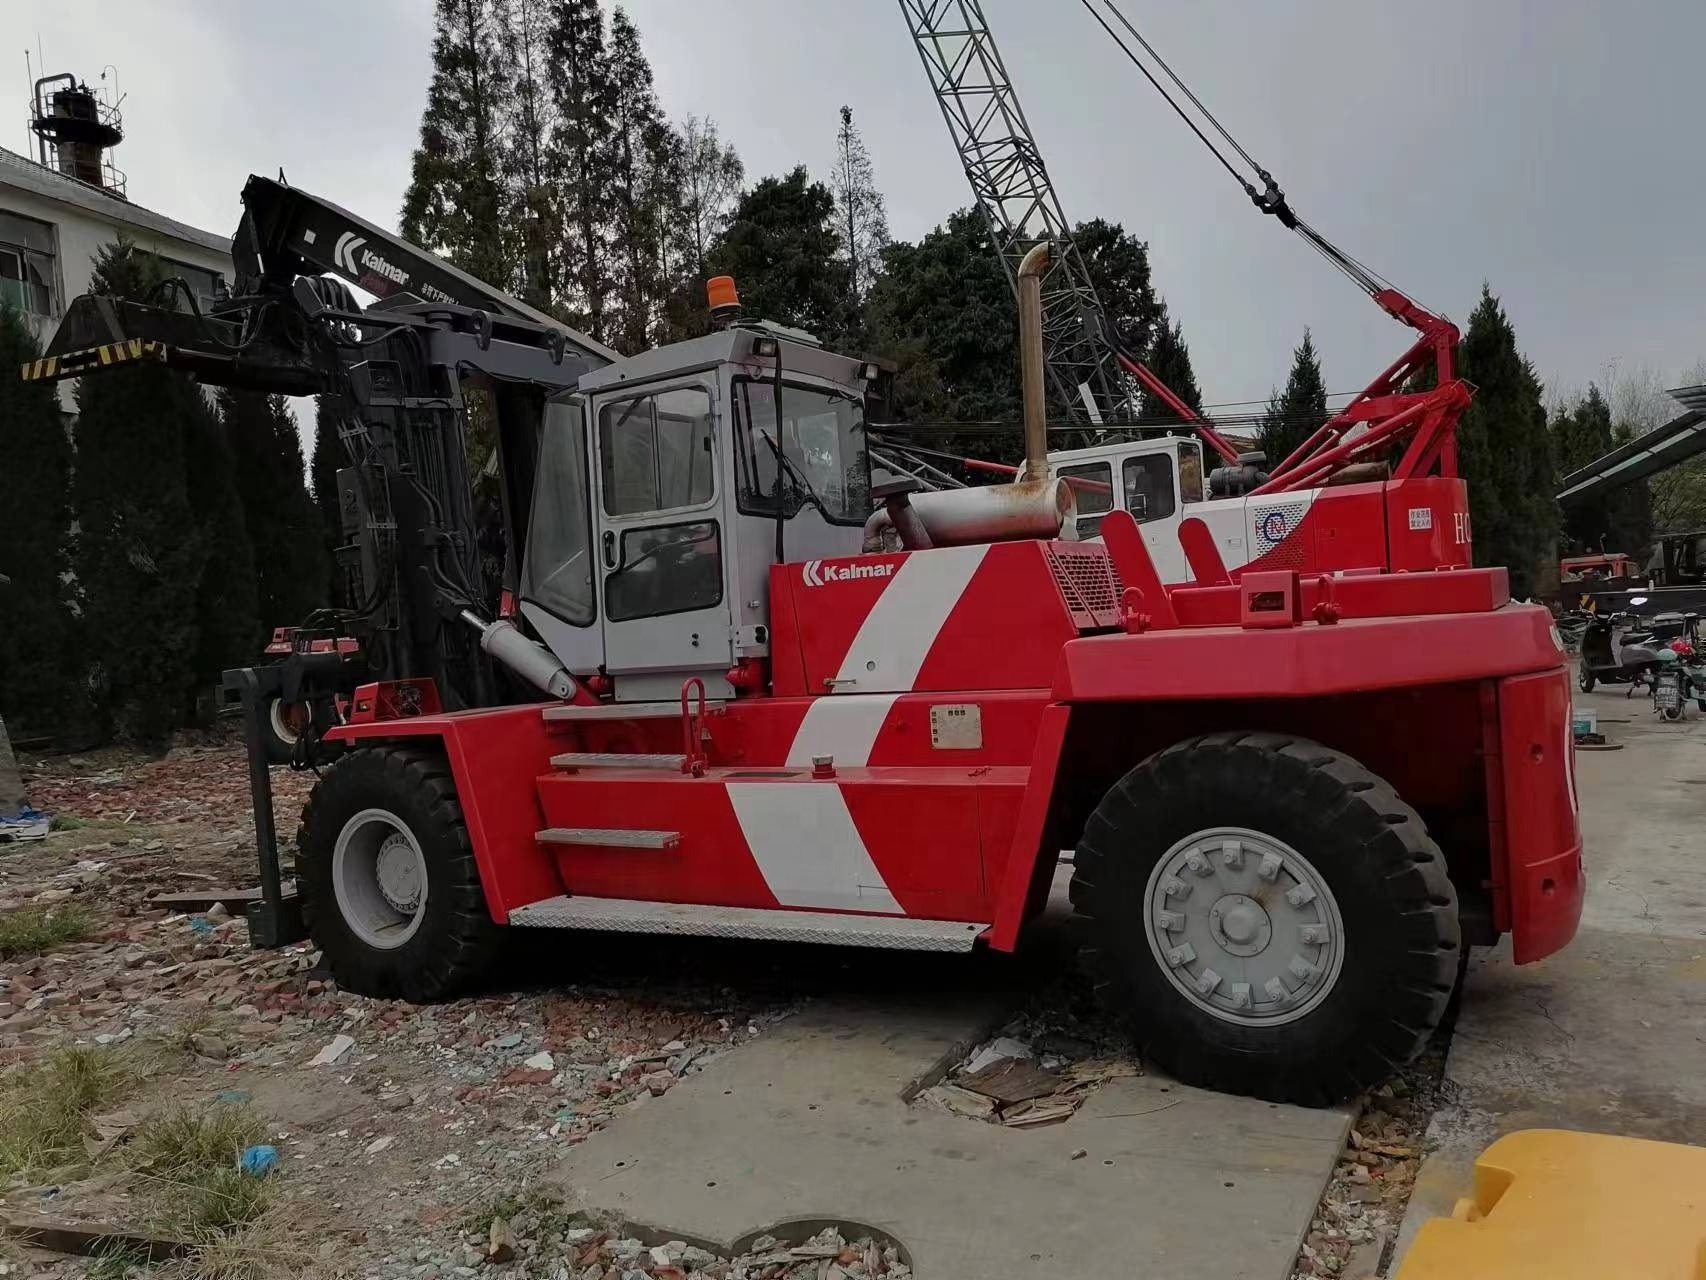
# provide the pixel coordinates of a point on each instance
(52, 226)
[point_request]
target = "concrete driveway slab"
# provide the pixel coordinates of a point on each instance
(810, 1122)
(1608, 1035)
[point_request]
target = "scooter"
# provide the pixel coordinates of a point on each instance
(1668, 678)
(1616, 649)
(1680, 674)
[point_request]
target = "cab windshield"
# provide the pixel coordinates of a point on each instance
(823, 440)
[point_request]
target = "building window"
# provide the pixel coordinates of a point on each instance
(26, 265)
(204, 285)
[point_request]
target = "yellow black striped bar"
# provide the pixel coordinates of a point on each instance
(73, 363)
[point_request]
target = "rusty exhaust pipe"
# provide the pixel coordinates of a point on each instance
(1031, 371)
(1033, 506)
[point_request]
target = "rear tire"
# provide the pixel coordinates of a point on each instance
(1585, 679)
(281, 727)
(387, 877)
(1170, 857)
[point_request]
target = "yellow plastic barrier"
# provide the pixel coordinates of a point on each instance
(1553, 1205)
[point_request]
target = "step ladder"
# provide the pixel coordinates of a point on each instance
(622, 915)
(609, 838)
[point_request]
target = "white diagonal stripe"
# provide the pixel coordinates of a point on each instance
(805, 844)
(844, 727)
(896, 635)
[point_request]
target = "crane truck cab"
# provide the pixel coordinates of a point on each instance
(1417, 523)
(1159, 481)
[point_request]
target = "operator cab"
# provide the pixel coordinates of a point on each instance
(1156, 480)
(670, 482)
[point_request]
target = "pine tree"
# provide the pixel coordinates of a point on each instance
(524, 33)
(327, 462)
(35, 531)
(139, 551)
(1118, 264)
(283, 525)
(1504, 453)
(1581, 432)
(942, 313)
(640, 172)
(1170, 360)
(780, 247)
(712, 175)
(582, 96)
(455, 204)
(1295, 413)
(862, 223)
(227, 618)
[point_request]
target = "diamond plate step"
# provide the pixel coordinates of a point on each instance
(610, 838)
(614, 760)
(620, 915)
(622, 711)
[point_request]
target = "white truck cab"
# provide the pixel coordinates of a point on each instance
(1158, 480)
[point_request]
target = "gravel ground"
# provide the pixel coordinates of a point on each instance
(396, 1125)
(410, 1138)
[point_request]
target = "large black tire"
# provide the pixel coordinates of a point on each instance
(455, 941)
(1401, 939)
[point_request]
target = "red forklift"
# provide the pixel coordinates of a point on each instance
(738, 684)
(702, 708)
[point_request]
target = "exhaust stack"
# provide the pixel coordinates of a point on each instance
(1031, 370)
(1033, 506)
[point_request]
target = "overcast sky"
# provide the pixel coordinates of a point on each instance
(1547, 146)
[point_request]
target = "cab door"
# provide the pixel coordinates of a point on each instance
(662, 568)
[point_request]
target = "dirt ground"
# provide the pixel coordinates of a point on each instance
(395, 1157)
(430, 1121)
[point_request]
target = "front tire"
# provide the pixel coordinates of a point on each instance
(387, 877)
(1585, 679)
(1267, 916)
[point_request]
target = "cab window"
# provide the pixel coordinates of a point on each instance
(1148, 481)
(822, 445)
(1092, 485)
(655, 452)
(1190, 471)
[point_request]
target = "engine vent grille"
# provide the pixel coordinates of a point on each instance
(1087, 582)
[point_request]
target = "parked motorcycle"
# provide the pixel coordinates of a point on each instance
(1617, 649)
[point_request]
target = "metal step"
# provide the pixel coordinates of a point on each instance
(614, 760)
(610, 838)
(623, 711)
(620, 915)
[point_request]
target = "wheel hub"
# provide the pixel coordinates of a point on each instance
(398, 872)
(1240, 925)
(1244, 926)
